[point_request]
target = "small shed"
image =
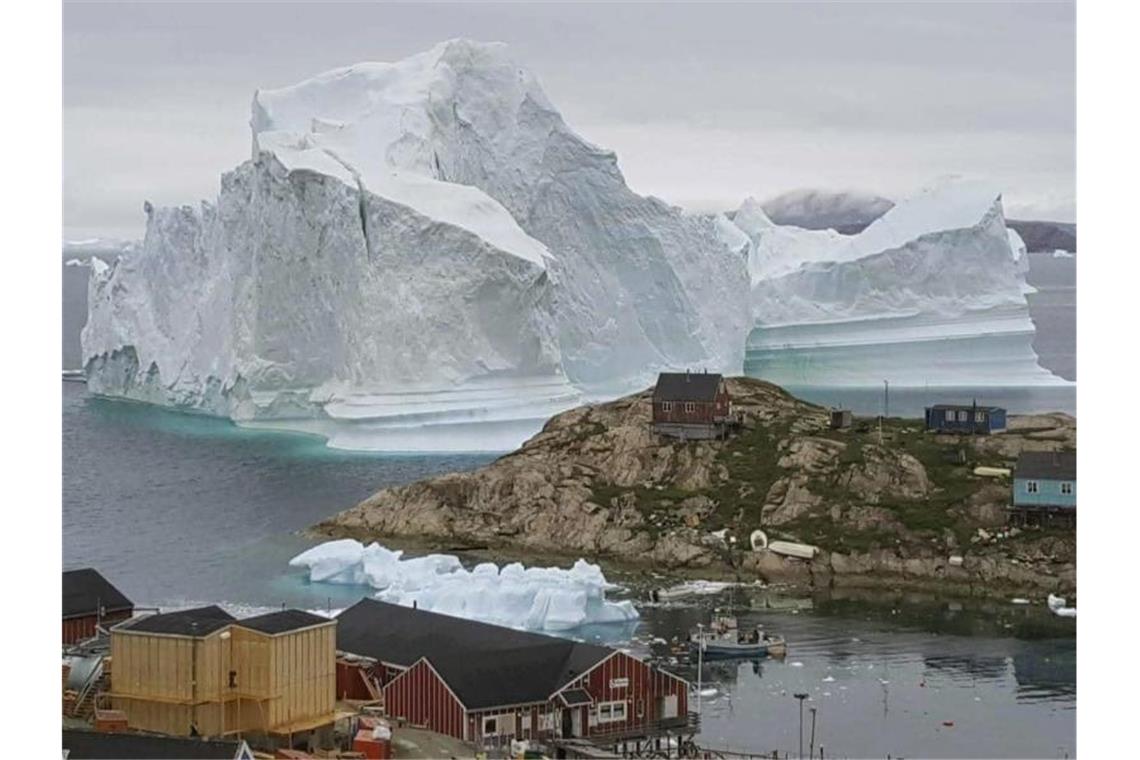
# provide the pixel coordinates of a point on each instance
(90, 600)
(1045, 486)
(965, 418)
(841, 418)
(691, 405)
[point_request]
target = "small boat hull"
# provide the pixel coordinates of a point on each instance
(729, 651)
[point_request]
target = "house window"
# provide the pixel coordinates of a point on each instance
(611, 712)
(666, 406)
(963, 416)
(1067, 489)
(1031, 486)
(690, 406)
(949, 415)
(490, 726)
(980, 416)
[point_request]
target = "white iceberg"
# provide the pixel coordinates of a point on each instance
(931, 293)
(420, 245)
(535, 598)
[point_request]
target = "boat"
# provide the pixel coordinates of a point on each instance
(723, 638)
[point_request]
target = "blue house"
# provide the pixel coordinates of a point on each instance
(1045, 486)
(965, 418)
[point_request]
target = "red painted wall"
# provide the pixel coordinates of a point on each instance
(703, 411)
(419, 696)
(349, 683)
(646, 687)
(80, 628)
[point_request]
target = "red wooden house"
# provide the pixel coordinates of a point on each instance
(487, 685)
(691, 405)
(89, 600)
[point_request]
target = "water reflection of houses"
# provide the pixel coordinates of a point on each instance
(1045, 674)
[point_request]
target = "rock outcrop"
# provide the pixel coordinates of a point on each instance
(598, 481)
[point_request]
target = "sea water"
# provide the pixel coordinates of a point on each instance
(178, 509)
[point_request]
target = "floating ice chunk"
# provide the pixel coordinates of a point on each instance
(1019, 600)
(536, 598)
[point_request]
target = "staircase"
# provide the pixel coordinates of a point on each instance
(96, 684)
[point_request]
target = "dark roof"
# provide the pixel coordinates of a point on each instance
(282, 621)
(200, 621)
(85, 590)
(967, 406)
(82, 745)
(1047, 465)
(686, 386)
(485, 665)
(575, 697)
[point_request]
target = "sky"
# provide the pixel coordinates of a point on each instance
(704, 104)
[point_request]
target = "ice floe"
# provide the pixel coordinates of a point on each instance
(534, 598)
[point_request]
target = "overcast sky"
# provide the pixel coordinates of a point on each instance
(704, 104)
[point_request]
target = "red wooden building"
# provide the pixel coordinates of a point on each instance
(89, 600)
(691, 405)
(487, 685)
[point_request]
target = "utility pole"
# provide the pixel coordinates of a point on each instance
(811, 745)
(886, 399)
(700, 662)
(801, 697)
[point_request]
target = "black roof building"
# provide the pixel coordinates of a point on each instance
(86, 592)
(284, 621)
(200, 621)
(687, 386)
(485, 665)
(1046, 465)
(92, 745)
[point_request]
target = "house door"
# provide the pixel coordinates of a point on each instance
(667, 706)
(567, 723)
(576, 714)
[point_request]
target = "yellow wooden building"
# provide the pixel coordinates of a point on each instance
(203, 672)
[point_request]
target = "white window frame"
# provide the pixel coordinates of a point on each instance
(690, 407)
(963, 415)
(609, 712)
(949, 415)
(1067, 488)
(494, 718)
(666, 406)
(1031, 486)
(980, 416)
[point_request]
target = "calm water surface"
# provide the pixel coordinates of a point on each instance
(178, 509)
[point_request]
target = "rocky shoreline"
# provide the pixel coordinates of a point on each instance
(885, 511)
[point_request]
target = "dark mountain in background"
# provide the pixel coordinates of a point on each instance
(851, 212)
(846, 212)
(1046, 236)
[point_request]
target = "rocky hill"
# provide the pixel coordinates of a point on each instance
(598, 482)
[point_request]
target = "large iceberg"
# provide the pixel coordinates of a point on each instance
(534, 598)
(420, 245)
(931, 293)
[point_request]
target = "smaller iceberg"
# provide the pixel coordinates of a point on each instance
(534, 598)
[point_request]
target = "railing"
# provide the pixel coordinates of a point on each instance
(682, 724)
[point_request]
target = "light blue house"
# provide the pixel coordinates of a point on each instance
(1045, 484)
